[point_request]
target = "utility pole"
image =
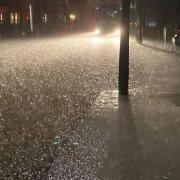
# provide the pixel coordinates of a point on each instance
(31, 17)
(124, 50)
(140, 19)
(65, 2)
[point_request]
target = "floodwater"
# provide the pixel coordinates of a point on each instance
(49, 90)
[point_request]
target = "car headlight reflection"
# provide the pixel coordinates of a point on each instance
(96, 40)
(97, 31)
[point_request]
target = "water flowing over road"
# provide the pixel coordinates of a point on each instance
(48, 91)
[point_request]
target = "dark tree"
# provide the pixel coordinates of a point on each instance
(124, 50)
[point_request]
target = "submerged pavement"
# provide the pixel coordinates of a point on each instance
(131, 138)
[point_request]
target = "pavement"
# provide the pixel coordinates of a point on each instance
(135, 137)
(60, 117)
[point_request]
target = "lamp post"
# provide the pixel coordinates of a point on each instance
(140, 19)
(31, 17)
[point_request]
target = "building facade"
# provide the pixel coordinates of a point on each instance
(18, 17)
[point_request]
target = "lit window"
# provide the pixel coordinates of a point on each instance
(45, 18)
(1, 18)
(14, 18)
(11, 18)
(17, 18)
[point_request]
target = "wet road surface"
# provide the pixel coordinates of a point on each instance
(49, 89)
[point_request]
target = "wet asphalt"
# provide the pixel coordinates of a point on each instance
(57, 124)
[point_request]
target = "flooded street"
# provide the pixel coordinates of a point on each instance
(49, 119)
(46, 87)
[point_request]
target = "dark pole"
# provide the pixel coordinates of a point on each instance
(65, 2)
(31, 22)
(38, 16)
(124, 50)
(139, 6)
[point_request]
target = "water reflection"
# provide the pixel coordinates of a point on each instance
(124, 161)
(96, 40)
(116, 40)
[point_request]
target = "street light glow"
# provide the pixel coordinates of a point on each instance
(97, 31)
(72, 17)
(117, 32)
